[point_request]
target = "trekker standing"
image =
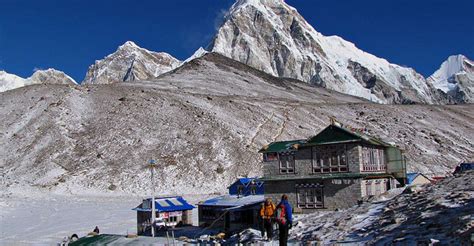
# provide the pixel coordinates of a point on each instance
(284, 218)
(266, 213)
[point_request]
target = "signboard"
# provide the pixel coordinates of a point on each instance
(164, 215)
(175, 214)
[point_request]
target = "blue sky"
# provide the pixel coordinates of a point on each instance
(70, 35)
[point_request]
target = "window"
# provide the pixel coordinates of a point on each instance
(373, 159)
(310, 197)
(368, 188)
(270, 157)
(330, 159)
(378, 186)
(375, 187)
(287, 162)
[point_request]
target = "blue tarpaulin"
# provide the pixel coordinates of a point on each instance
(165, 204)
(247, 186)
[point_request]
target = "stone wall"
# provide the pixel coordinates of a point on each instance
(337, 193)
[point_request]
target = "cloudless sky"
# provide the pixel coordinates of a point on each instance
(70, 35)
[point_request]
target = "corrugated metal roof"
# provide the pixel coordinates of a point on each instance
(282, 146)
(333, 134)
(165, 204)
(233, 201)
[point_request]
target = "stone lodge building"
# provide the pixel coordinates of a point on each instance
(334, 169)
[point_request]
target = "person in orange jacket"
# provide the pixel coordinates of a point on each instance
(266, 213)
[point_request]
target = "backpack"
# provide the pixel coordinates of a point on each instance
(281, 214)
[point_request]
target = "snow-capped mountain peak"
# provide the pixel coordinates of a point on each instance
(443, 78)
(51, 76)
(129, 44)
(273, 37)
(455, 78)
(198, 53)
(130, 62)
(10, 81)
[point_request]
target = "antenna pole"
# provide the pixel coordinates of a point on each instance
(153, 209)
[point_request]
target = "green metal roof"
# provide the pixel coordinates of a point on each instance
(337, 134)
(102, 239)
(333, 134)
(282, 146)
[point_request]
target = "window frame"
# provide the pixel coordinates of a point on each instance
(322, 158)
(313, 197)
(290, 163)
(373, 159)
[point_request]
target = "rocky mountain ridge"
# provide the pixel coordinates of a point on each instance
(130, 63)
(48, 76)
(272, 36)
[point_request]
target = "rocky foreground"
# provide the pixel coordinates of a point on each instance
(436, 213)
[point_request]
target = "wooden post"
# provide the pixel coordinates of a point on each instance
(152, 167)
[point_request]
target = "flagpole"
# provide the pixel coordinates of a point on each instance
(153, 209)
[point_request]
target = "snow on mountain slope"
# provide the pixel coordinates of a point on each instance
(11, 81)
(272, 36)
(49, 76)
(129, 63)
(203, 123)
(455, 78)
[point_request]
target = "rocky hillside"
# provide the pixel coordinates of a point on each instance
(272, 36)
(130, 63)
(203, 122)
(431, 214)
(49, 76)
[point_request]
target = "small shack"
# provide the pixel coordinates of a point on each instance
(417, 179)
(231, 213)
(172, 210)
(246, 187)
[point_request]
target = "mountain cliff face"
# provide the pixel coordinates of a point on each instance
(272, 36)
(49, 76)
(455, 79)
(130, 63)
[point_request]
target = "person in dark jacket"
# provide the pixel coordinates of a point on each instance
(96, 230)
(285, 224)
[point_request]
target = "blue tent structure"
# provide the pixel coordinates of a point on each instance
(246, 187)
(412, 176)
(173, 210)
(165, 204)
